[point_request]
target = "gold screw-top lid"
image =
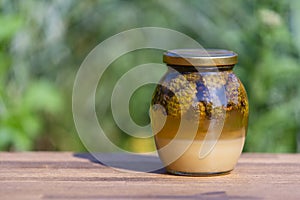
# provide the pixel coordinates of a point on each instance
(200, 57)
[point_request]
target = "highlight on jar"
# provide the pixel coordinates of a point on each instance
(199, 112)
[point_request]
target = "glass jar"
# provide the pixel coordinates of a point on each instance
(199, 112)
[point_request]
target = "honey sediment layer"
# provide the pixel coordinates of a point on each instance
(221, 158)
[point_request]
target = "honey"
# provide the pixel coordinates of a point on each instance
(199, 113)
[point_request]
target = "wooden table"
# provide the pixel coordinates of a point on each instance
(49, 175)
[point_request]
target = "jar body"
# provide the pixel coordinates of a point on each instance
(199, 118)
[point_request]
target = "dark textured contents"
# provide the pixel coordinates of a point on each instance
(201, 95)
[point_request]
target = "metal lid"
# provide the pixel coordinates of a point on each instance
(200, 57)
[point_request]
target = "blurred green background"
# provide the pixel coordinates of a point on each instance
(43, 43)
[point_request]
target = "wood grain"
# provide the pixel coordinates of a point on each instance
(49, 175)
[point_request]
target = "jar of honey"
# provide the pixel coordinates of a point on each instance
(199, 112)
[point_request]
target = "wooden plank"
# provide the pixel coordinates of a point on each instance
(49, 175)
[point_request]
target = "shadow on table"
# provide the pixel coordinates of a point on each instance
(126, 162)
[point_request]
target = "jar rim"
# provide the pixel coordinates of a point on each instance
(200, 57)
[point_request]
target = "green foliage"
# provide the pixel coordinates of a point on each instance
(42, 44)
(24, 101)
(21, 120)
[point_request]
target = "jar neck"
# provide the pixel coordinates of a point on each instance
(200, 68)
